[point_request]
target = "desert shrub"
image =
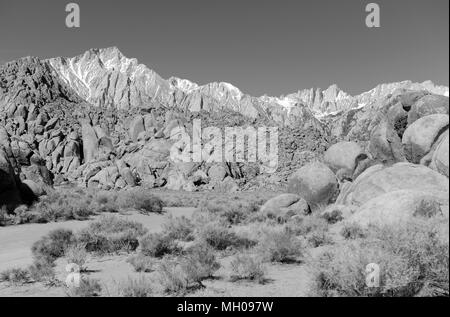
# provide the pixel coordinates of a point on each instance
(246, 267)
(53, 246)
(77, 254)
(200, 262)
(157, 245)
(5, 218)
(136, 287)
(142, 263)
(105, 201)
(62, 206)
(141, 200)
(427, 208)
(352, 231)
(111, 234)
(88, 288)
(234, 209)
(179, 228)
(222, 238)
(319, 238)
(42, 271)
(413, 261)
(279, 245)
(171, 276)
(15, 276)
(180, 274)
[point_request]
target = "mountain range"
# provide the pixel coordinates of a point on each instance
(107, 78)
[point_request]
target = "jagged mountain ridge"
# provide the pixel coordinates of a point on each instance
(105, 77)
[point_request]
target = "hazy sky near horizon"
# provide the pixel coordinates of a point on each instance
(269, 47)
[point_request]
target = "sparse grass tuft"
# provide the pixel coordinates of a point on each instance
(15, 276)
(279, 245)
(142, 263)
(136, 287)
(412, 257)
(179, 228)
(157, 245)
(353, 231)
(88, 288)
(111, 234)
(141, 200)
(53, 246)
(246, 267)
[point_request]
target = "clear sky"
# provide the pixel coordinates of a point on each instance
(263, 47)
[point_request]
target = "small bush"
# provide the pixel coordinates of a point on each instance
(246, 267)
(15, 276)
(222, 238)
(157, 245)
(87, 288)
(171, 276)
(140, 287)
(179, 228)
(141, 200)
(42, 271)
(77, 254)
(53, 246)
(413, 261)
(279, 245)
(179, 274)
(234, 211)
(111, 234)
(142, 263)
(353, 231)
(200, 262)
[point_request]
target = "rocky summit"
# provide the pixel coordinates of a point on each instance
(103, 120)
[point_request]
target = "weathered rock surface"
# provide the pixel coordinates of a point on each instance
(315, 183)
(419, 137)
(400, 206)
(379, 179)
(343, 155)
(440, 157)
(285, 204)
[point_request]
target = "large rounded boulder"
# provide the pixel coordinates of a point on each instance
(427, 105)
(315, 182)
(378, 180)
(419, 137)
(285, 204)
(385, 144)
(342, 156)
(440, 159)
(400, 206)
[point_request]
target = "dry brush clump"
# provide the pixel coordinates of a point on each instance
(15, 276)
(141, 200)
(413, 259)
(142, 263)
(88, 287)
(247, 267)
(178, 275)
(110, 234)
(279, 244)
(136, 287)
(179, 228)
(157, 245)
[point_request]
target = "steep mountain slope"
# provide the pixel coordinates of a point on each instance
(105, 77)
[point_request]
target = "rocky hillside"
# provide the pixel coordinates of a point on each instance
(103, 120)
